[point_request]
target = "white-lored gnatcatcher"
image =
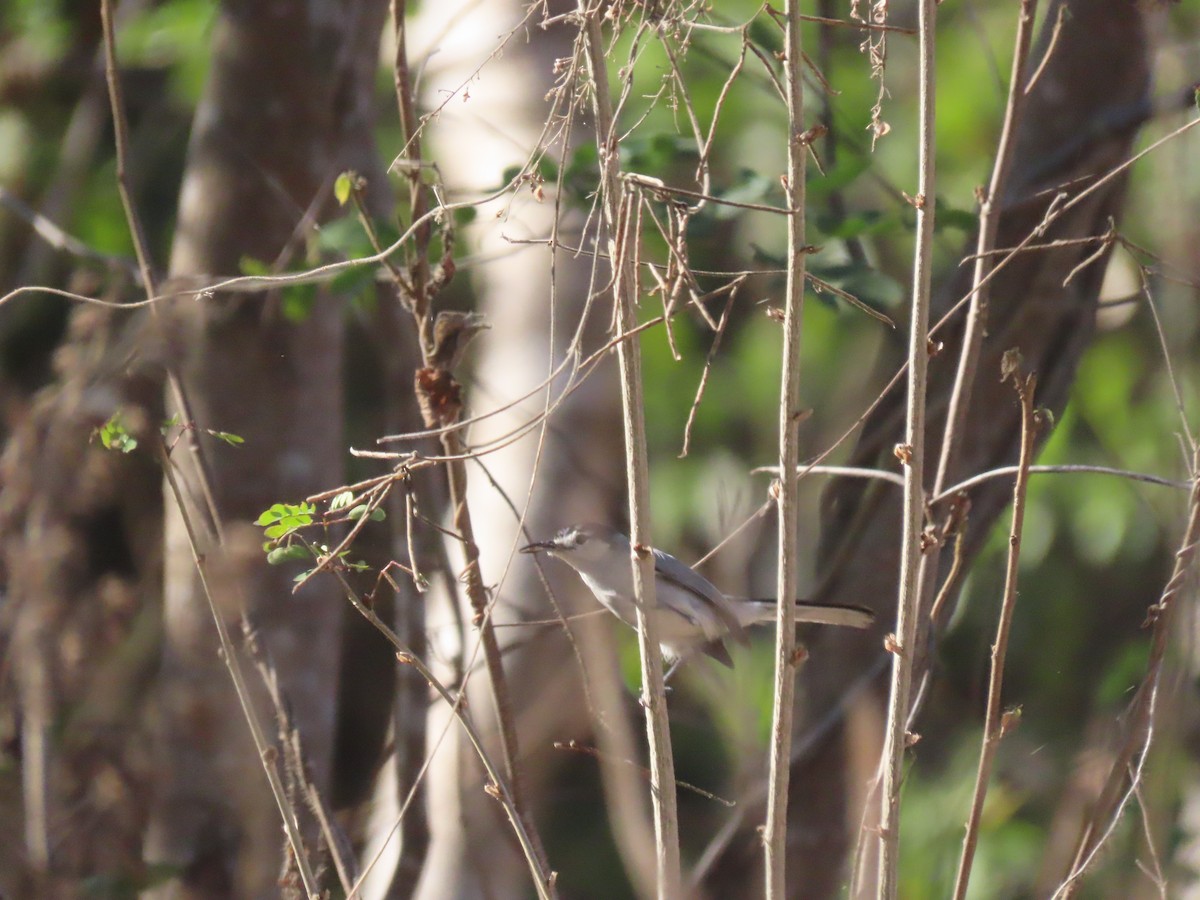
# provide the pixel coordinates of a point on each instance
(691, 613)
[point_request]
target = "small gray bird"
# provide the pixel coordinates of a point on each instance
(691, 614)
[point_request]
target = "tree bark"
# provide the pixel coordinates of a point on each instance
(287, 107)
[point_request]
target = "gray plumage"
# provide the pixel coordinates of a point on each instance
(691, 613)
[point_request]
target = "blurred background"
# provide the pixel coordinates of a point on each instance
(125, 765)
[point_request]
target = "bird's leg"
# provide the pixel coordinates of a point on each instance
(671, 671)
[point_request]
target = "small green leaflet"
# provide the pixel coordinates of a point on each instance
(232, 440)
(284, 518)
(114, 436)
(342, 187)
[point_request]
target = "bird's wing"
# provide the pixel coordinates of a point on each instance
(670, 569)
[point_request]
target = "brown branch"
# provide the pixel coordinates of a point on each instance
(498, 784)
(708, 360)
(1133, 750)
(420, 291)
(262, 745)
(912, 455)
(989, 226)
(998, 721)
(787, 659)
(622, 249)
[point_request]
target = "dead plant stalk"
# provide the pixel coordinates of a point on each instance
(913, 456)
(786, 658)
(623, 240)
(997, 721)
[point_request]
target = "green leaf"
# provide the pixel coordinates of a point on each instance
(284, 518)
(766, 34)
(818, 187)
(749, 187)
(509, 174)
(274, 514)
(346, 238)
(868, 221)
(343, 186)
(342, 500)
(232, 440)
(280, 555)
(113, 435)
(547, 170)
(869, 285)
(377, 514)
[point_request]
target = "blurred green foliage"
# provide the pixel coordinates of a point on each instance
(1097, 549)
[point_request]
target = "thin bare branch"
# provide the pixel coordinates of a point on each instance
(786, 657)
(262, 744)
(622, 247)
(989, 224)
(1139, 717)
(997, 721)
(202, 521)
(577, 747)
(1050, 47)
(708, 360)
(498, 785)
(912, 455)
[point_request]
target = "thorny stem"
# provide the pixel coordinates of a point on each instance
(477, 596)
(913, 454)
(295, 765)
(622, 247)
(976, 322)
(775, 835)
(995, 722)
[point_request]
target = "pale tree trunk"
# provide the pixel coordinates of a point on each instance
(287, 107)
(474, 139)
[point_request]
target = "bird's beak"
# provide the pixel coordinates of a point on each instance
(539, 545)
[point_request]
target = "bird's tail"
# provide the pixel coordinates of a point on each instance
(758, 612)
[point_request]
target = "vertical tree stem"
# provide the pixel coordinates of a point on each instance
(993, 728)
(775, 836)
(622, 247)
(913, 455)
